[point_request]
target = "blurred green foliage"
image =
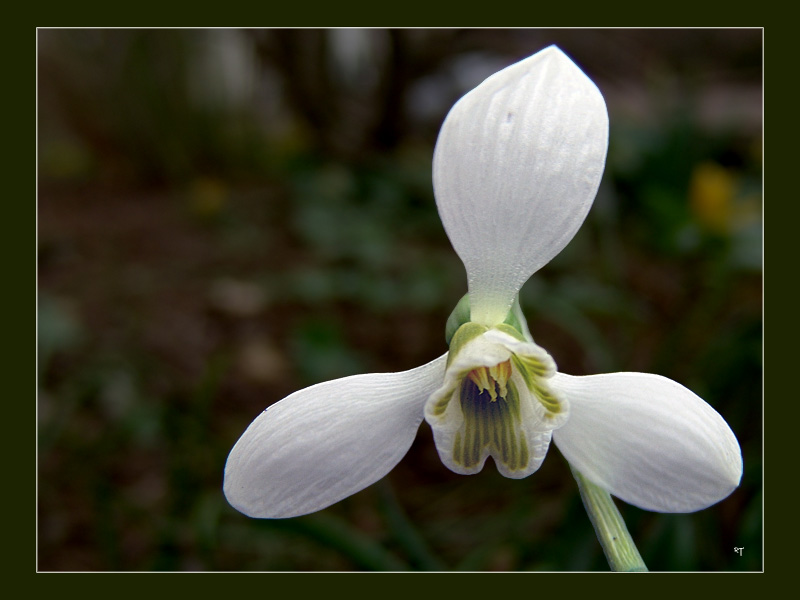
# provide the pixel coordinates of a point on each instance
(205, 251)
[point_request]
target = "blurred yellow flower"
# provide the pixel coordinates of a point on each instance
(711, 193)
(207, 197)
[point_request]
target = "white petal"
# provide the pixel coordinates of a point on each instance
(516, 168)
(648, 440)
(327, 442)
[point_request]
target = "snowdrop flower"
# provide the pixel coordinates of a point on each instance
(515, 170)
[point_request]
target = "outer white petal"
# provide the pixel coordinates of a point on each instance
(327, 442)
(648, 440)
(516, 168)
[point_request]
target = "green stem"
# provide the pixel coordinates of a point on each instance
(618, 546)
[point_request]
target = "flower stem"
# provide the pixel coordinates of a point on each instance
(618, 546)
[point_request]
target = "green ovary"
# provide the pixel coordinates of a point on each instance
(491, 420)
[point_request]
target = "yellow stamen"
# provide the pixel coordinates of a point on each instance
(480, 377)
(492, 379)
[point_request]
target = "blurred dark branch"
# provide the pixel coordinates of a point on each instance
(60, 89)
(348, 120)
(299, 57)
(407, 62)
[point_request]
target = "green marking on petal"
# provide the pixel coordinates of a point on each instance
(535, 366)
(534, 372)
(441, 404)
(492, 423)
(510, 330)
(547, 398)
(458, 449)
(465, 334)
(524, 457)
(527, 376)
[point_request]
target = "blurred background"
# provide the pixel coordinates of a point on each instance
(226, 216)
